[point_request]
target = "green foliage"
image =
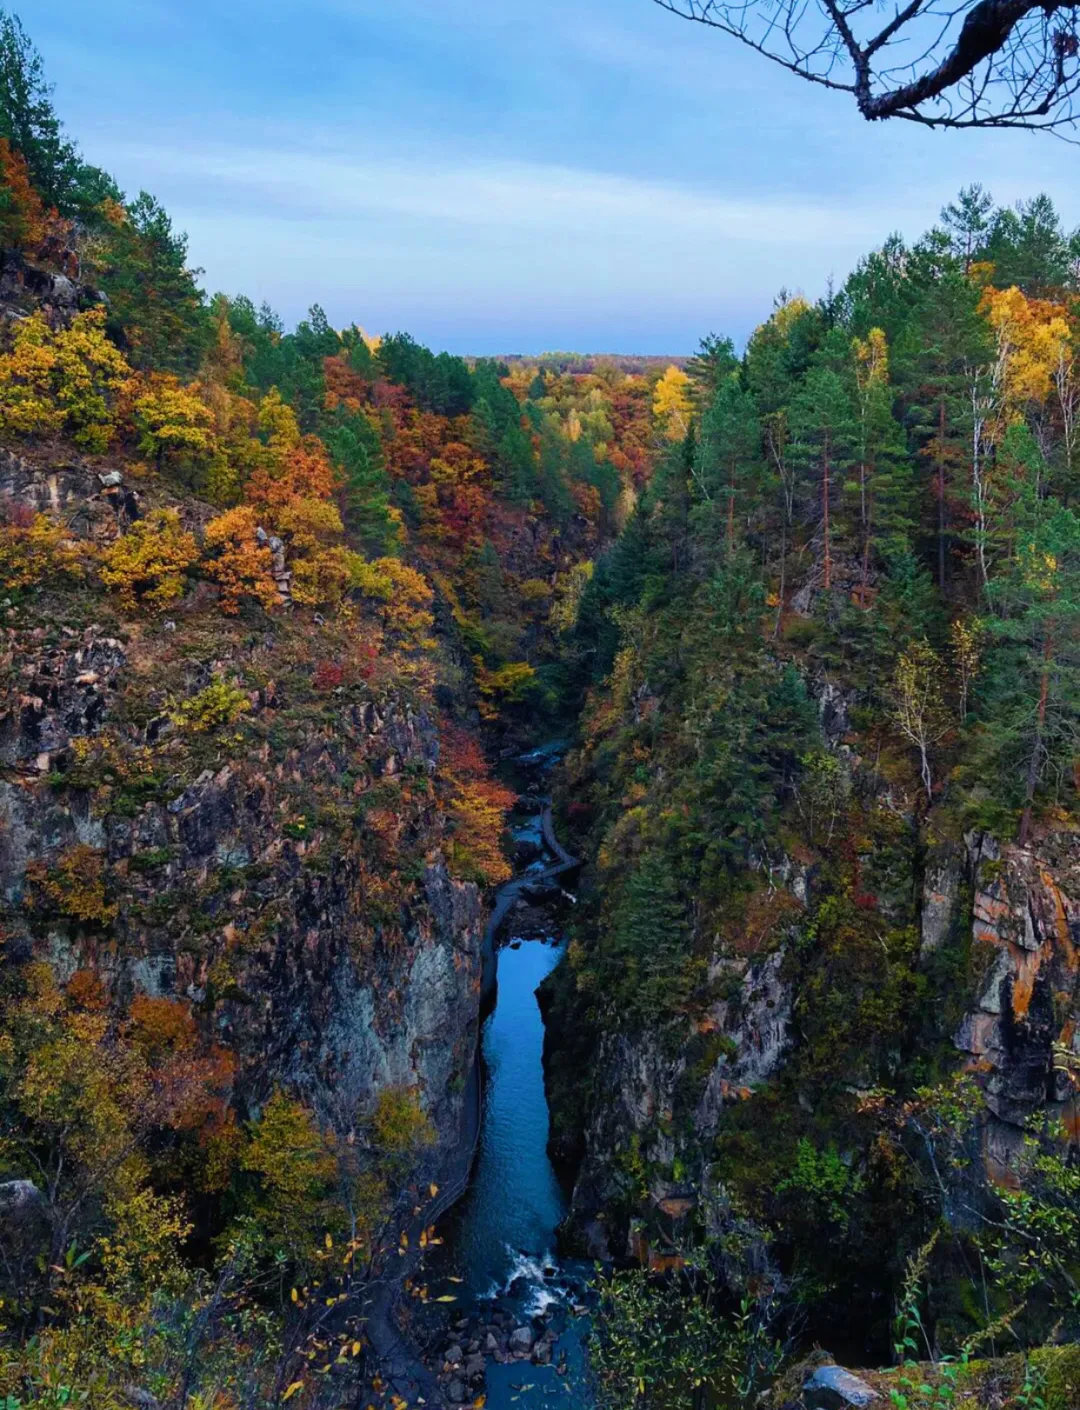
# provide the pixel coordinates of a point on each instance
(157, 312)
(29, 122)
(657, 1342)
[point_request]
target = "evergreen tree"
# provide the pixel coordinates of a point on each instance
(823, 433)
(728, 469)
(157, 312)
(29, 122)
(356, 451)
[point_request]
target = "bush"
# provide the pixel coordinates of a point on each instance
(36, 553)
(149, 562)
(240, 565)
(218, 705)
(65, 380)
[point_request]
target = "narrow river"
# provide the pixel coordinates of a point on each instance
(498, 1254)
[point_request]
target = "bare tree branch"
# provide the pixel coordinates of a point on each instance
(942, 63)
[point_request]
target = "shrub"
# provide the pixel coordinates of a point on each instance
(36, 553)
(64, 380)
(399, 1122)
(240, 564)
(149, 562)
(174, 423)
(218, 705)
(75, 886)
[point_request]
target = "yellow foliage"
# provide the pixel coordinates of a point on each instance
(36, 554)
(399, 1122)
(239, 564)
(278, 423)
(295, 1168)
(507, 685)
(871, 360)
(1031, 335)
(309, 522)
(671, 404)
(404, 591)
(217, 705)
(63, 380)
(324, 575)
(533, 590)
(173, 422)
(76, 884)
(148, 563)
(569, 590)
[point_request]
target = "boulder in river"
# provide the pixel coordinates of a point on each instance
(521, 1341)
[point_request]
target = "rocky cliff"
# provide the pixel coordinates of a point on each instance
(277, 866)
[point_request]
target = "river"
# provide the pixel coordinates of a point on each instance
(499, 1243)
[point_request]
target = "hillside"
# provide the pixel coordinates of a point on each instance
(825, 977)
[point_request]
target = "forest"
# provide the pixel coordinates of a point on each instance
(275, 603)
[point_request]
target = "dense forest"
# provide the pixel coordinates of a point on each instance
(273, 601)
(827, 783)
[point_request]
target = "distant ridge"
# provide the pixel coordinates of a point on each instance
(635, 363)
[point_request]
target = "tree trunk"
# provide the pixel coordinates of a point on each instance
(941, 495)
(1037, 743)
(825, 513)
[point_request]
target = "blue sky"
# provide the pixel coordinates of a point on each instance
(502, 175)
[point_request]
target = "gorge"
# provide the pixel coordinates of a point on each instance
(362, 1046)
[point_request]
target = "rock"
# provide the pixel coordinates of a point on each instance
(17, 1197)
(542, 1352)
(474, 1367)
(521, 1341)
(456, 1391)
(832, 1388)
(141, 1399)
(453, 1355)
(491, 1344)
(110, 479)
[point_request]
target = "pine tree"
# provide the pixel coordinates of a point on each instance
(824, 431)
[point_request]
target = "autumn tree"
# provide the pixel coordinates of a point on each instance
(148, 563)
(919, 706)
(238, 560)
(478, 809)
(671, 404)
(62, 380)
(174, 424)
(22, 216)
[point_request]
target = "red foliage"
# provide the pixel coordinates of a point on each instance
(328, 675)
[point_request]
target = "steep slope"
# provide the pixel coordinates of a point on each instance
(824, 982)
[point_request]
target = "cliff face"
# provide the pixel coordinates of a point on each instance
(854, 971)
(281, 871)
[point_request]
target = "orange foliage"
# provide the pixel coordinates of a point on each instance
(22, 216)
(240, 565)
(478, 808)
(302, 471)
(344, 387)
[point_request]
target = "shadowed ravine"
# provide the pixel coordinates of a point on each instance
(499, 1240)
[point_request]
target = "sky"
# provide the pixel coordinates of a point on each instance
(499, 176)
